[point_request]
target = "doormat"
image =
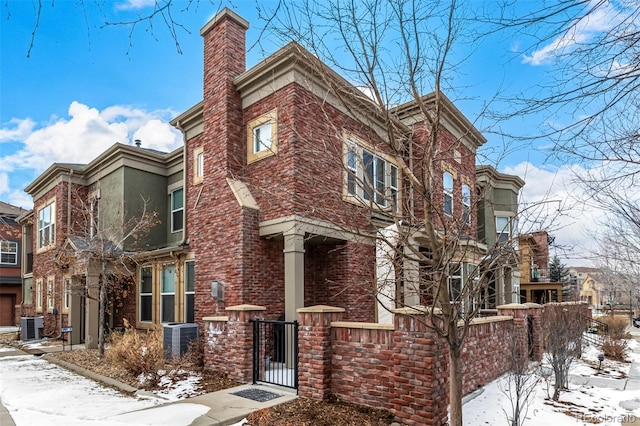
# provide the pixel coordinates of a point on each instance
(257, 394)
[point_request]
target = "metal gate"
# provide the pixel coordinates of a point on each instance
(275, 352)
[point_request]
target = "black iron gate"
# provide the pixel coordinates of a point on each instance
(275, 352)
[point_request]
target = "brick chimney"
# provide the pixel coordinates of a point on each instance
(224, 59)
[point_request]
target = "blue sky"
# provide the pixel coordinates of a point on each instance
(86, 86)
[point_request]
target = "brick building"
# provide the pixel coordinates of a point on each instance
(10, 264)
(283, 186)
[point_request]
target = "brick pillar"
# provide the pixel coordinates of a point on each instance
(521, 314)
(420, 370)
(240, 341)
(314, 350)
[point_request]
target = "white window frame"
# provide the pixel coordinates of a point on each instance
(47, 229)
(466, 203)
(186, 291)
(503, 229)
(164, 293)
(50, 293)
(198, 165)
(262, 137)
(145, 294)
(39, 295)
(371, 177)
(447, 193)
(174, 211)
(7, 249)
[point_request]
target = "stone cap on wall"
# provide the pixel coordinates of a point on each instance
(216, 319)
(522, 306)
(319, 309)
(246, 308)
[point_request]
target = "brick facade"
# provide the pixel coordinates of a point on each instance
(401, 367)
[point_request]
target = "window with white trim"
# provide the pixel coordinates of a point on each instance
(39, 295)
(371, 177)
(47, 225)
(189, 291)
(262, 136)
(198, 165)
(447, 184)
(50, 295)
(466, 203)
(177, 210)
(145, 307)
(8, 252)
(503, 229)
(168, 294)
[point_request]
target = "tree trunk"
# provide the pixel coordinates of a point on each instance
(102, 300)
(455, 385)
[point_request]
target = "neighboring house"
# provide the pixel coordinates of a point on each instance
(591, 291)
(535, 283)
(10, 264)
(79, 214)
(498, 224)
(264, 203)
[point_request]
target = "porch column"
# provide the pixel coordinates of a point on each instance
(293, 273)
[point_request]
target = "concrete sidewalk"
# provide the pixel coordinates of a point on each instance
(225, 408)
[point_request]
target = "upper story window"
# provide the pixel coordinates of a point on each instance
(466, 203)
(371, 177)
(177, 210)
(47, 225)
(503, 229)
(262, 137)
(8, 252)
(447, 184)
(198, 165)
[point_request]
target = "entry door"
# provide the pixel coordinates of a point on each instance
(7, 302)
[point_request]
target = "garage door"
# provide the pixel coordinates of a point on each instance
(6, 309)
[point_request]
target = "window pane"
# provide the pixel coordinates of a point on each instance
(168, 308)
(367, 159)
(262, 137)
(189, 311)
(502, 224)
(145, 308)
(379, 167)
(447, 181)
(176, 220)
(146, 283)
(448, 204)
(168, 279)
(466, 195)
(394, 177)
(177, 199)
(189, 276)
(200, 171)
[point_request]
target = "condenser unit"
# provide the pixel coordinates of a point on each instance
(31, 328)
(176, 337)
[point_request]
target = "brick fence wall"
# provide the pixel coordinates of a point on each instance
(401, 367)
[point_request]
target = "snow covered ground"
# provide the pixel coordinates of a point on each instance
(36, 392)
(580, 405)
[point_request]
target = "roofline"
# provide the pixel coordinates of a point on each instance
(498, 177)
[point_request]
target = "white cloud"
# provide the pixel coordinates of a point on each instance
(553, 201)
(85, 134)
(135, 4)
(601, 19)
(16, 130)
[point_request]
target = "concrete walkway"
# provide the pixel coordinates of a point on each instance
(225, 408)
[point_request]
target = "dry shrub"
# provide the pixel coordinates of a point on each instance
(617, 326)
(615, 349)
(138, 352)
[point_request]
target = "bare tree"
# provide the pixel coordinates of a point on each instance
(520, 383)
(391, 53)
(108, 247)
(563, 343)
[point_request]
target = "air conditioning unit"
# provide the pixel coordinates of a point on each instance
(31, 328)
(176, 337)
